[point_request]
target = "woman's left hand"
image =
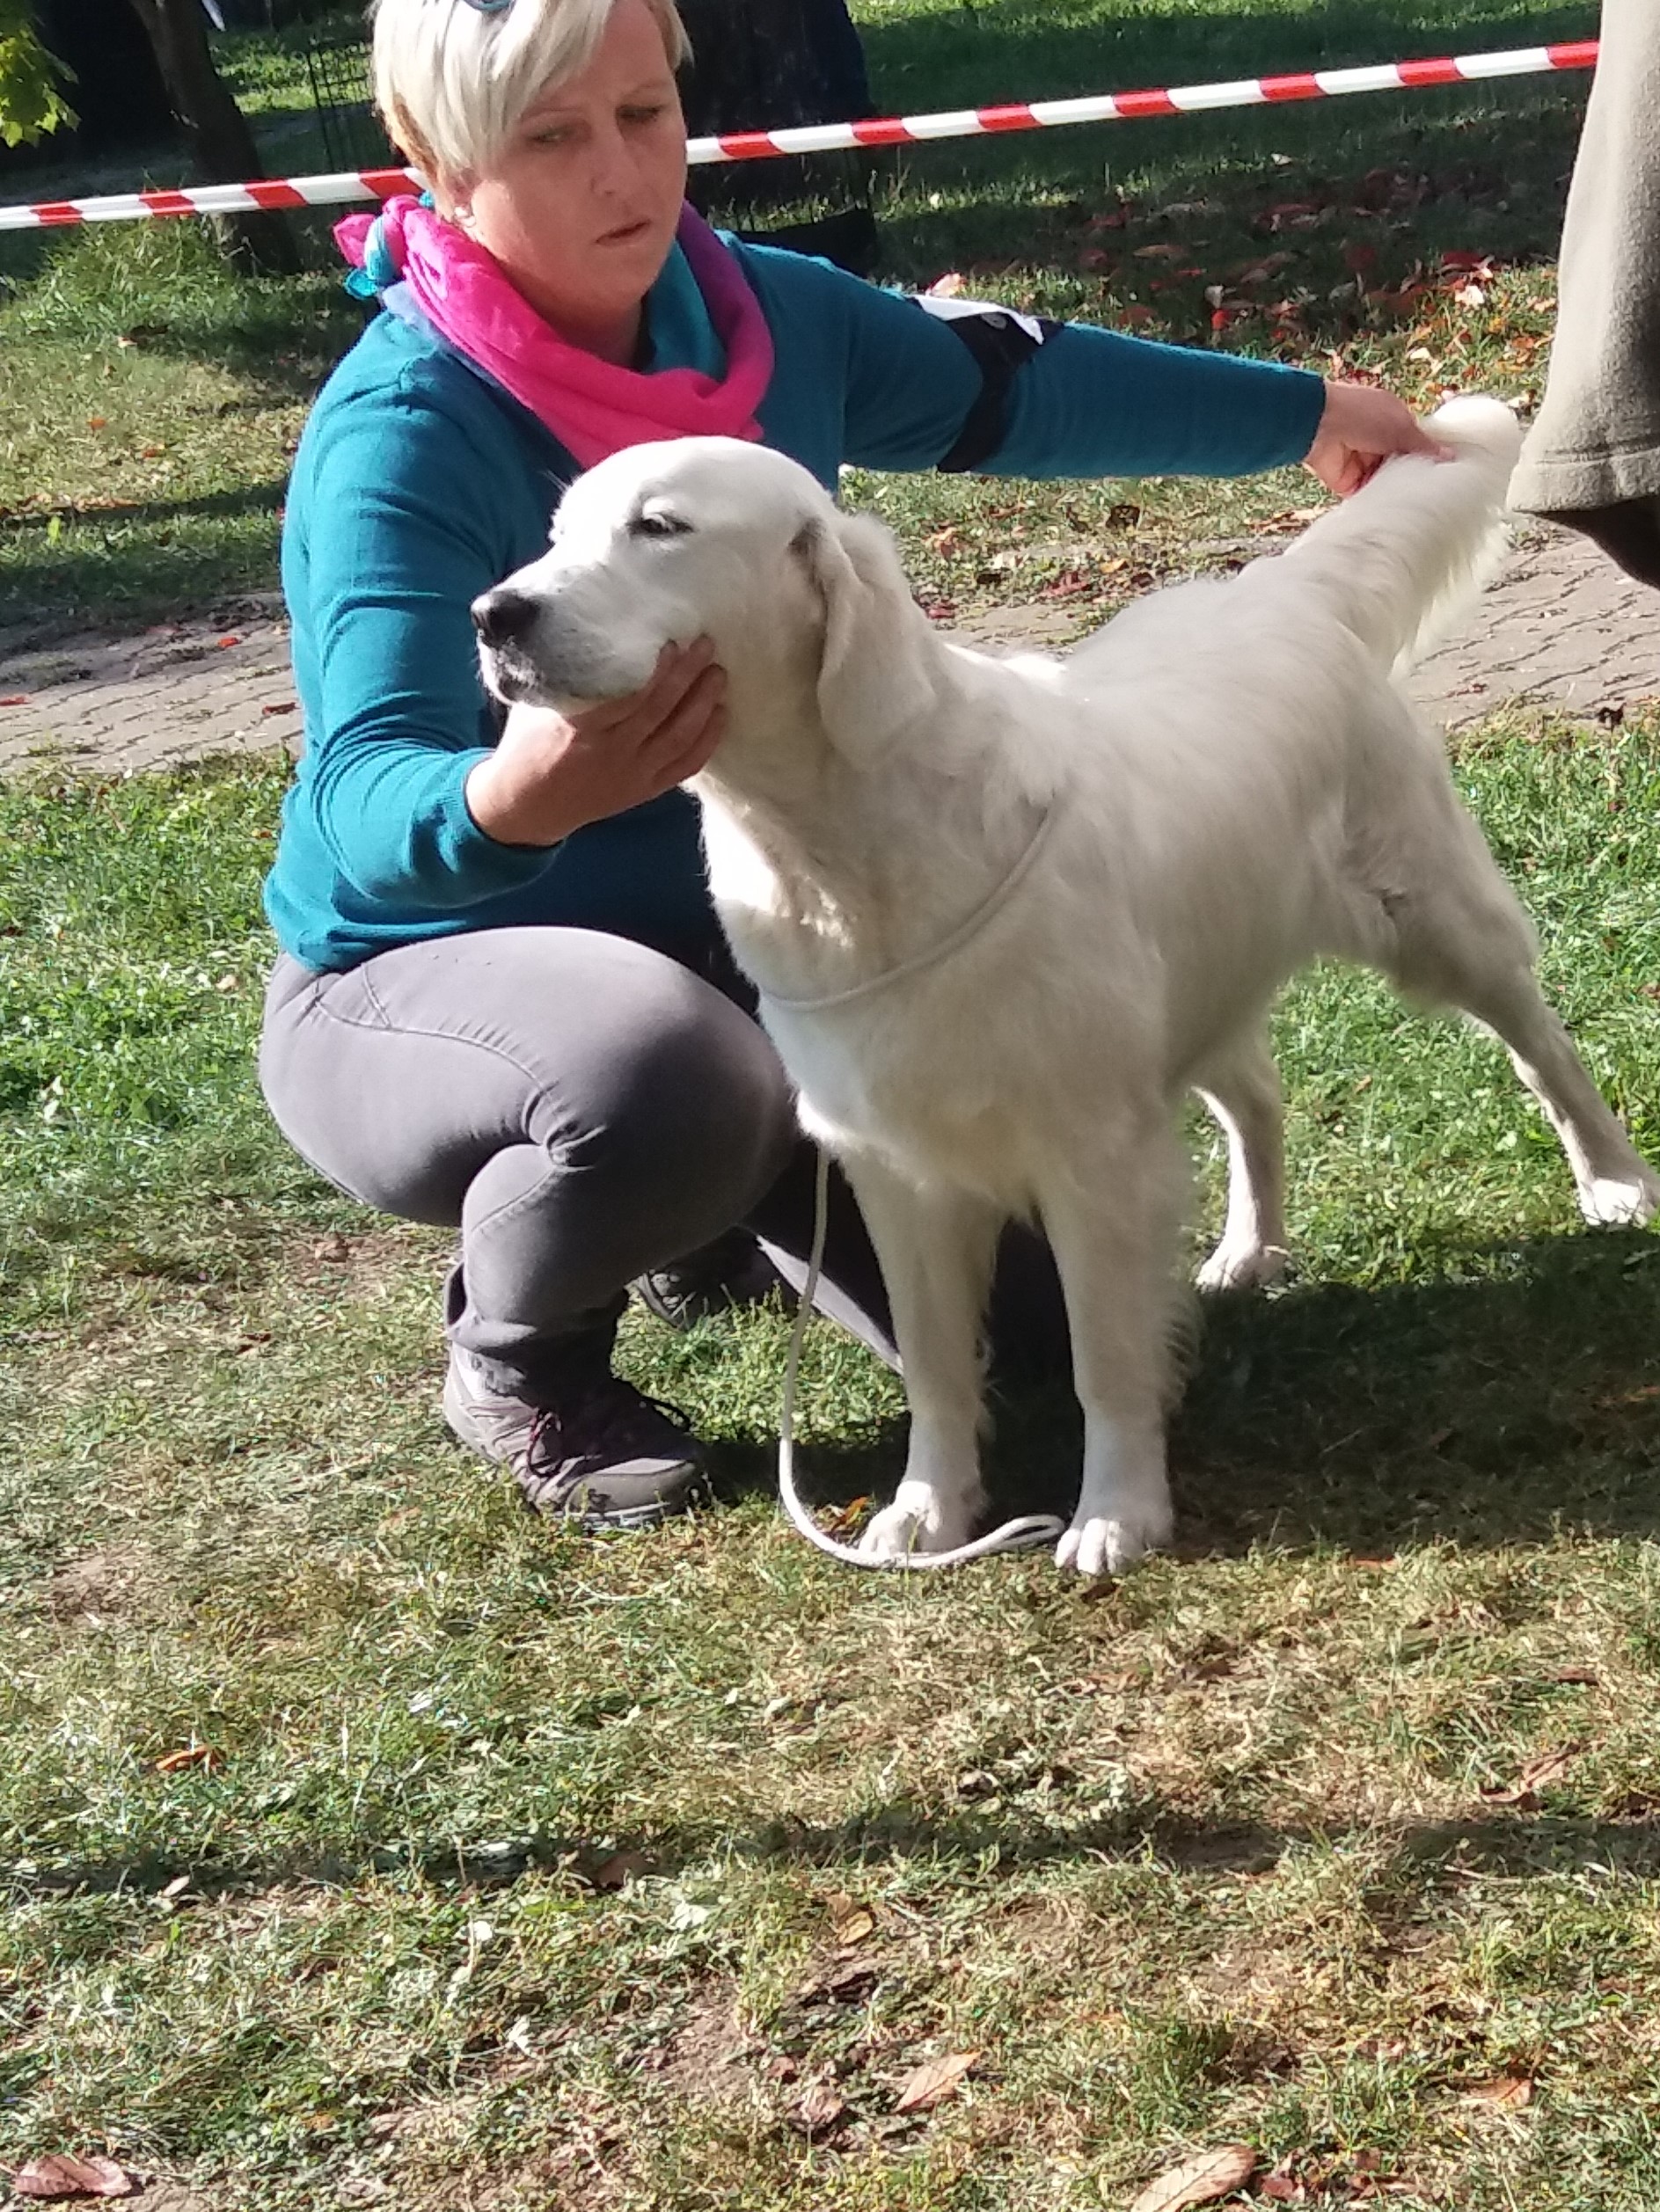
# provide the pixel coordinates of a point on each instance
(1359, 430)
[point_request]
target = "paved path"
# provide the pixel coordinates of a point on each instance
(1561, 627)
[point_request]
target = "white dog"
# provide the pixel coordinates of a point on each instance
(1002, 913)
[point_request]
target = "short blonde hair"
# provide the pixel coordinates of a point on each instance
(451, 82)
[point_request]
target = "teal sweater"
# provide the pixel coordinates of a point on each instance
(419, 482)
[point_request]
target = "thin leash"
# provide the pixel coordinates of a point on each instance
(1022, 1534)
(1030, 1530)
(919, 961)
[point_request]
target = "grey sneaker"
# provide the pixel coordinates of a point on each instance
(734, 1271)
(603, 1455)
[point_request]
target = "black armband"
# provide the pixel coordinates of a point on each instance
(1001, 342)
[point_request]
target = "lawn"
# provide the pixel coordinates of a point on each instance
(367, 1844)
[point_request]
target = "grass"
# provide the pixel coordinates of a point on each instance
(1234, 1850)
(366, 1844)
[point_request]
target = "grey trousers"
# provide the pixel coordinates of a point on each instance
(1592, 457)
(583, 1109)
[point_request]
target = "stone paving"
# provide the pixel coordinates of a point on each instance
(1561, 627)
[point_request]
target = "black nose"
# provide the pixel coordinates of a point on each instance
(502, 617)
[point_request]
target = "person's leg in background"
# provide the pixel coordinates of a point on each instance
(1592, 457)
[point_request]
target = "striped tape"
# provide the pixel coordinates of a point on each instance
(818, 138)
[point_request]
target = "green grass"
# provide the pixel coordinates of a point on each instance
(1220, 1853)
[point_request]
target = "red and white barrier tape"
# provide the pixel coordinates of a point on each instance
(818, 138)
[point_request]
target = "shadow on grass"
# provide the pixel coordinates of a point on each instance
(1496, 1406)
(1001, 1838)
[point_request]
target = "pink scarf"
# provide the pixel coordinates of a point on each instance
(592, 407)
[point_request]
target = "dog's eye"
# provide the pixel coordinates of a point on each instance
(655, 523)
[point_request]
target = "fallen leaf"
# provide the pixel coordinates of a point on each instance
(1578, 1673)
(15, 698)
(1545, 1768)
(1159, 252)
(1281, 2188)
(332, 1247)
(936, 2079)
(841, 1982)
(280, 706)
(61, 2175)
(848, 1517)
(817, 2110)
(193, 1755)
(1505, 2092)
(97, 422)
(946, 287)
(851, 1921)
(1200, 2179)
(620, 1869)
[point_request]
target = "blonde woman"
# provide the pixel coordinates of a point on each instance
(501, 1002)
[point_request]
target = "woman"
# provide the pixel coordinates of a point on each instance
(501, 1001)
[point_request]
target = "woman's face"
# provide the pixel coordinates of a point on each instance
(580, 207)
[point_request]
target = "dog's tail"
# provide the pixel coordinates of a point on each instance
(1397, 560)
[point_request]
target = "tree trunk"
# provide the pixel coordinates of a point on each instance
(762, 64)
(220, 139)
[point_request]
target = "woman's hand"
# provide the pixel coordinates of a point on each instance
(1361, 427)
(551, 774)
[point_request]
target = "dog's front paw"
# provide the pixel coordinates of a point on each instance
(1621, 1201)
(1107, 1544)
(920, 1519)
(1243, 1266)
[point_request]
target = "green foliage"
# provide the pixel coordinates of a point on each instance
(30, 102)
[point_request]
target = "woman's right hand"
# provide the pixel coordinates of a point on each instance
(551, 773)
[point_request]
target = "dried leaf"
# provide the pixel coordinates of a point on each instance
(946, 287)
(620, 1869)
(15, 698)
(1545, 1768)
(818, 2109)
(936, 2079)
(193, 1755)
(1505, 2092)
(1281, 2188)
(841, 1982)
(1200, 2180)
(851, 1921)
(59, 2174)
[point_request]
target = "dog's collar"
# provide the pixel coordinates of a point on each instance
(963, 934)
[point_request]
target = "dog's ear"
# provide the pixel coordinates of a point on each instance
(873, 676)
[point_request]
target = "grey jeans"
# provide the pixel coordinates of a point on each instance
(583, 1109)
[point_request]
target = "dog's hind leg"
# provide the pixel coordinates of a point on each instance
(1465, 941)
(1242, 1087)
(937, 1246)
(1114, 1239)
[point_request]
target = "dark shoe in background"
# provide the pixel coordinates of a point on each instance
(732, 1270)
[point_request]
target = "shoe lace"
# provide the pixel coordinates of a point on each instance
(604, 1419)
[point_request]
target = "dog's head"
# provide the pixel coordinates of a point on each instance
(665, 543)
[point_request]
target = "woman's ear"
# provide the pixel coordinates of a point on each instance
(872, 673)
